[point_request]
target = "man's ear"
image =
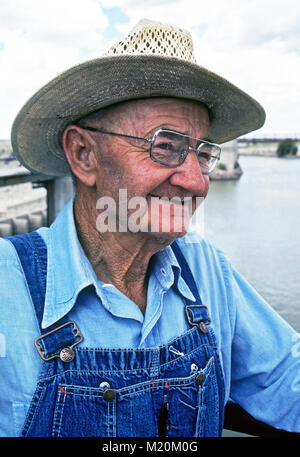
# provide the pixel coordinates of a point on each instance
(79, 148)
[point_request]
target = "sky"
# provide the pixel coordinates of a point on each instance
(255, 44)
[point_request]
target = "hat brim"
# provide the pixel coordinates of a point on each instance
(38, 128)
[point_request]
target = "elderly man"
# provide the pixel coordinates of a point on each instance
(137, 328)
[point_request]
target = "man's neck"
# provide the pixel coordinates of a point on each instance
(118, 258)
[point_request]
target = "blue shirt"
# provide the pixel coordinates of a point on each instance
(258, 349)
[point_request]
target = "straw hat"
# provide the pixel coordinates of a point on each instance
(154, 60)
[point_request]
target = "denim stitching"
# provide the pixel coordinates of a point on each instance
(59, 411)
(114, 418)
(107, 419)
(160, 383)
(36, 407)
(57, 405)
(100, 372)
(62, 411)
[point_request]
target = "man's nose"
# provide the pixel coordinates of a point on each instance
(189, 176)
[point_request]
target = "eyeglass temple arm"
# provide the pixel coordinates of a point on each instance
(93, 129)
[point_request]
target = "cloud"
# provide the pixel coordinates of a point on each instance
(55, 22)
(253, 44)
(40, 40)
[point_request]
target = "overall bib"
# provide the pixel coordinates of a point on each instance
(175, 390)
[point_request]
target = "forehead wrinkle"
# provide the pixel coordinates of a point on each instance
(144, 117)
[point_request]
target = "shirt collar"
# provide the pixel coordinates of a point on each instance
(168, 272)
(69, 270)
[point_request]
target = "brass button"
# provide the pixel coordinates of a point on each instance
(67, 355)
(200, 379)
(109, 394)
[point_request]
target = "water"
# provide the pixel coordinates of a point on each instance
(256, 221)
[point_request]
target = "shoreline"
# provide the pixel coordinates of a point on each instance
(258, 154)
(223, 175)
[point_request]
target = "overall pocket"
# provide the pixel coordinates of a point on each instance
(208, 417)
(192, 405)
(87, 411)
(82, 411)
(133, 411)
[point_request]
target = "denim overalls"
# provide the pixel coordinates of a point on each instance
(175, 390)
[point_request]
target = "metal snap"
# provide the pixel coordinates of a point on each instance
(66, 355)
(109, 395)
(104, 385)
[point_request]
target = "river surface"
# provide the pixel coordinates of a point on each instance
(256, 221)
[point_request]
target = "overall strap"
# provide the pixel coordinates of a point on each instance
(58, 339)
(32, 252)
(196, 312)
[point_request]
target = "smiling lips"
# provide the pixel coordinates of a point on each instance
(175, 199)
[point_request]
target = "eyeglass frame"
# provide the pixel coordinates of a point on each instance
(152, 141)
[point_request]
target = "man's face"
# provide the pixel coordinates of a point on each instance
(126, 164)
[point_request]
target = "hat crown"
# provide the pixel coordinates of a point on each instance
(155, 38)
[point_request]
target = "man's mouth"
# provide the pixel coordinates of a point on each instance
(175, 199)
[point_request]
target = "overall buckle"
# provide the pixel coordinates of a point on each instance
(66, 354)
(200, 319)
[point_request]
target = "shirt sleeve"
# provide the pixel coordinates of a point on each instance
(20, 363)
(265, 359)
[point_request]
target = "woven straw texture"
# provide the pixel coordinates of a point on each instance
(156, 38)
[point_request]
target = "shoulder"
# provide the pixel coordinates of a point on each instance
(8, 254)
(11, 269)
(14, 293)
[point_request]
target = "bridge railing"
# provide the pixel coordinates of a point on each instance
(270, 138)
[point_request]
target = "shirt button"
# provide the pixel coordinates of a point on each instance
(200, 379)
(202, 327)
(66, 355)
(109, 395)
(163, 271)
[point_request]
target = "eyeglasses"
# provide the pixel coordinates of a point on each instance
(170, 148)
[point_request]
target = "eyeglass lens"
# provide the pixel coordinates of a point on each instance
(170, 148)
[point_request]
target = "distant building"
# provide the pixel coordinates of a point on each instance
(228, 166)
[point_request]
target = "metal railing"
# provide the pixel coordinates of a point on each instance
(58, 192)
(269, 138)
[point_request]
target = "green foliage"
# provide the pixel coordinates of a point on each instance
(222, 166)
(286, 147)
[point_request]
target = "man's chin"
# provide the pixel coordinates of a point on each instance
(167, 237)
